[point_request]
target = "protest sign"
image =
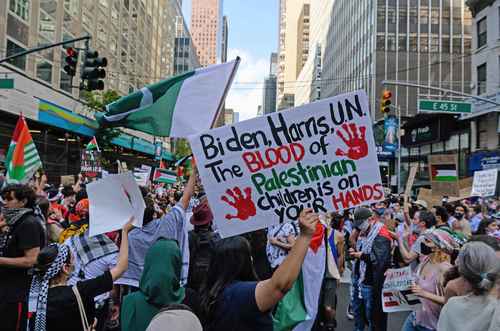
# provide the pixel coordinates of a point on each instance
(90, 165)
(141, 177)
(443, 172)
(113, 200)
(264, 171)
(485, 183)
(411, 179)
(396, 293)
(67, 180)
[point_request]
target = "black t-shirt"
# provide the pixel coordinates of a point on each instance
(237, 310)
(62, 307)
(14, 282)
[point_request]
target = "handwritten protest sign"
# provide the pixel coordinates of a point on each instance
(485, 183)
(396, 293)
(264, 171)
(113, 200)
(90, 164)
(443, 174)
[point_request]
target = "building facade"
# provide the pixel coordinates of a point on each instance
(270, 84)
(185, 57)
(293, 34)
(206, 30)
(485, 73)
(136, 37)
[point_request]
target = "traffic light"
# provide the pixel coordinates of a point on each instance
(71, 60)
(93, 71)
(385, 102)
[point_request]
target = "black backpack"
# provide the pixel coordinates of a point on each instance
(201, 248)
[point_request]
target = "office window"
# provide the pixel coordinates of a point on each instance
(13, 48)
(47, 26)
(481, 79)
(481, 32)
(21, 8)
(44, 71)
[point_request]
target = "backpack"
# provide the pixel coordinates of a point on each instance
(201, 246)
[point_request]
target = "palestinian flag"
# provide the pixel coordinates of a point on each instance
(177, 107)
(92, 145)
(444, 173)
(165, 176)
(298, 308)
(22, 159)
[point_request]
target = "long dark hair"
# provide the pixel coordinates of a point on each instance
(483, 225)
(230, 262)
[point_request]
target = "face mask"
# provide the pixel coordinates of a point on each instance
(424, 249)
(380, 211)
(459, 216)
(364, 226)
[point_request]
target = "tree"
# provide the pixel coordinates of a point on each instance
(98, 101)
(182, 148)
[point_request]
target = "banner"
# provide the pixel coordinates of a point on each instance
(113, 200)
(90, 165)
(264, 171)
(391, 131)
(396, 293)
(485, 183)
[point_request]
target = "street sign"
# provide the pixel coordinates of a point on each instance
(6, 83)
(448, 107)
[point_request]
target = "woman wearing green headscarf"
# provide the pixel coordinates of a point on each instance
(159, 286)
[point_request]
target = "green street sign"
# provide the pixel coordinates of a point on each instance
(449, 107)
(6, 83)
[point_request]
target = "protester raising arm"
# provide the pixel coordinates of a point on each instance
(189, 190)
(269, 292)
(122, 264)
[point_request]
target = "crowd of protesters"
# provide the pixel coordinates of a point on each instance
(55, 276)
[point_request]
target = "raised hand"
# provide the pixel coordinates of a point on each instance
(244, 205)
(356, 142)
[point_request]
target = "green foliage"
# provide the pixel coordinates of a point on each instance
(98, 100)
(378, 132)
(182, 148)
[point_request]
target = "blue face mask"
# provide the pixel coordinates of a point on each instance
(380, 211)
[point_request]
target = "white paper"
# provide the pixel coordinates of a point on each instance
(312, 138)
(484, 183)
(113, 200)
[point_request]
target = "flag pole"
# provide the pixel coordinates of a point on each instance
(226, 90)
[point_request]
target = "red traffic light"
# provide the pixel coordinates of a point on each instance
(386, 95)
(70, 51)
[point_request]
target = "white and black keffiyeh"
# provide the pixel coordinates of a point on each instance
(40, 288)
(367, 248)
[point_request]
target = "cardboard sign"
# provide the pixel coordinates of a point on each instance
(411, 179)
(443, 173)
(396, 293)
(264, 171)
(90, 165)
(485, 183)
(113, 200)
(68, 180)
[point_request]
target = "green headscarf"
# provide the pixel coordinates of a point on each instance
(159, 286)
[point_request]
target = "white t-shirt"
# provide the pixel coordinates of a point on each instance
(275, 254)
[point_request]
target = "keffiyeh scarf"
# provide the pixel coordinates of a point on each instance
(40, 288)
(367, 246)
(12, 217)
(90, 249)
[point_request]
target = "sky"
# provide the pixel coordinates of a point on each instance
(253, 35)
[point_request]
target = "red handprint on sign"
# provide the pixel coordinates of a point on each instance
(358, 148)
(244, 206)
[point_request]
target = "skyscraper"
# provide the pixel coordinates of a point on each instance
(206, 30)
(269, 92)
(293, 31)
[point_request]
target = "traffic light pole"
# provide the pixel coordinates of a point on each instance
(42, 48)
(398, 83)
